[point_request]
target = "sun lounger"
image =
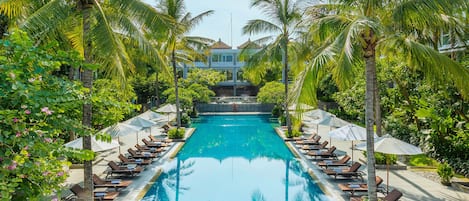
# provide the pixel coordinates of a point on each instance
(324, 154)
(315, 147)
(154, 139)
(130, 169)
(141, 148)
(350, 172)
(313, 141)
(98, 195)
(154, 144)
(334, 163)
(141, 155)
(126, 161)
(113, 183)
(358, 187)
(394, 195)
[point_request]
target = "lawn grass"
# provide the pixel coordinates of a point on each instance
(422, 160)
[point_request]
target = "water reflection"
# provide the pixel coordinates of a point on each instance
(234, 158)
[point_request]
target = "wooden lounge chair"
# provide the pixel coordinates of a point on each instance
(394, 195)
(154, 144)
(323, 154)
(141, 148)
(358, 187)
(313, 141)
(350, 172)
(141, 155)
(131, 169)
(126, 161)
(315, 147)
(113, 183)
(98, 195)
(334, 163)
(154, 139)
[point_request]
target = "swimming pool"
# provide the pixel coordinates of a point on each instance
(234, 158)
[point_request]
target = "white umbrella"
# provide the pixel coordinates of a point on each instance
(390, 145)
(121, 129)
(168, 108)
(150, 115)
(322, 117)
(349, 132)
(140, 122)
(96, 145)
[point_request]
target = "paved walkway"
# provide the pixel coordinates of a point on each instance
(413, 186)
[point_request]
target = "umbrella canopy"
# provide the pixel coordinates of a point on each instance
(96, 145)
(150, 115)
(121, 129)
(349, 132)
(322, 117)
(390, 145)
(168, 108)
(140, 122)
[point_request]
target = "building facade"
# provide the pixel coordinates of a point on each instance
(225, 59)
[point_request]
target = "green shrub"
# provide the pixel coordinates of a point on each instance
(380, 158)
(176, 133)
(185, 119)
(422, 160)
(445, 171)
(295, 133)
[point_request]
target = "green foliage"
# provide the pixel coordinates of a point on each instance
(175, 133)
(36, 108)
(422, 160)
(295, 133)
(185, 97)
(445, 171)
(272, 92)
(381, 158)
(185, 120)
(277, 111)
(145, 87)
(205, 77)
(111, 102)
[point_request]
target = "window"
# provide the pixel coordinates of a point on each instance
(228, 74)
(228, 58)
(216, 58)
(240, 75)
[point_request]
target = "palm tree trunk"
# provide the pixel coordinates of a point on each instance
(157, 90)
(377, 106)
(173, 61)
(285, 71)
(370, 73)
(87, 80)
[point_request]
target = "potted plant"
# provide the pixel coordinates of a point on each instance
(445, 171)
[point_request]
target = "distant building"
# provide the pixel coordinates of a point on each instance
(227, 60)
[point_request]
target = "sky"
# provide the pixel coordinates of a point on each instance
(226, 22)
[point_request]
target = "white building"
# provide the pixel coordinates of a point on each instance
(227, 60)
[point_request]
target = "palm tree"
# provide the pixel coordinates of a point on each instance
(95, 29)
(285, 16)
(354, 33)
(182, 48)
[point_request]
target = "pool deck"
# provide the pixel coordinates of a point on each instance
(413, 186)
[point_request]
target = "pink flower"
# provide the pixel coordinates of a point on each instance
(45, 173)
(60, 173)
(18, 134)
(26, 147)
(12, 166)
(27, 112)
(46, 110)
(48, 140)
(15, 120)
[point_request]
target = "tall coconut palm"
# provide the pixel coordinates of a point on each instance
(355, 33)
(285, 18)
(182, 48)
(96, 28)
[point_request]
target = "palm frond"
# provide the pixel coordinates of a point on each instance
(436, 66)
(260, 26)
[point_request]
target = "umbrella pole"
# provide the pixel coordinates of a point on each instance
(352, 151)
(119, 141)
(387, 175)
(137, 137)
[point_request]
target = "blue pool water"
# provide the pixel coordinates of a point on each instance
(234, 158)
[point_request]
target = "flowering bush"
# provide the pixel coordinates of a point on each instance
(36, 108)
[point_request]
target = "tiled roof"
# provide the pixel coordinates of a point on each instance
(220, 45)
(249, 44)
